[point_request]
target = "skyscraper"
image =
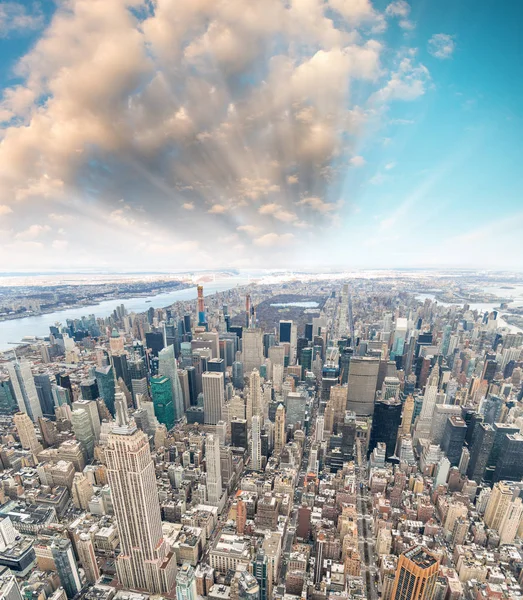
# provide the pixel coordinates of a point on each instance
(162, 396)
(144, 562)
(416, 575)
(167, 366)
(252, 349)
(66, 566)
(27, 433)
(106, 386)
(363, 379)
(214, 473)
(24, 388)
(262, 571)
(256, 455)
(279, 430)
(385, 425)
(213, 397)
(87, 557)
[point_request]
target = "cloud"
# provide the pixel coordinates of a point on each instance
(60, 244)
(5, 210)
(401, 10)
(317, 204)
(442, 45)
(190, 110)
(32, 232)
(274, 239)
(357, 161)
(217, 209)
(16, 18)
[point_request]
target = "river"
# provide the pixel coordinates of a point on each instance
(16, 329)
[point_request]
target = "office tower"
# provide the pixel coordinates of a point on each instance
(167, 366)
(385, 424)
(8, 403)
(285, 331)
(510, 463)
(154, 341)
(237, 374)
(262, 571)
(239, 433)
(66, 566)
(186, 583)
(482, 442)
(391, 388)
(91, 408)
(256, 455)
(85, 548)
(320, 550)
(416, 575)
(162, 396)
(363, 378)
(213, 397)
(144, 562)
(280, 439)
(252, 349)
(214, 473)
(500, 432)
(454, 438)
(9, 589)
(255, 392)
(430, 395)
(89, 389)
(407, 416)
(320, 425)
(83, 431)
(81, 491)
(106, 386)
(439, 420)
(26, 433)
(24, 388)
(501, 497)
(295, 408)
(248, 588)
(45, 394)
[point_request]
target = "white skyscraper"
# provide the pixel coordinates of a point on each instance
(24, 388)
(255, 392)
(256, 456)
(168, 368)
(320, 426)
(430, 396)
(27, 433)
(214, 472)
(144, 562)
(213, 396)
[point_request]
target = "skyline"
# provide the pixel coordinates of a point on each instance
(222, 138)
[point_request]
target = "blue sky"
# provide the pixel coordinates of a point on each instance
(346, 135)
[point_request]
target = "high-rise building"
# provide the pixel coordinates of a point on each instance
(162, 396)
(85, 548)
(9, 589)
(144, 562)
(280, 438)
(186, 583)
(213, 397)
(91, 408)
(106, 386)
(8, 403)
(24, 388)
(285, 331)
(214, 473)
(241, 516)
(256, 455)
(510, 464)
(363, 379)
(66, 566)
(482, 442)
(252, 349)
(416, 575)
(237, 374)
(453, 439)
(239, 433)
(26, 433)
(45, 394)
(248, 588)
(262, 571)
(83, 431)
(167, 366)
(385, 424)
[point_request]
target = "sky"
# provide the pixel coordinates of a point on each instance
(302, 134)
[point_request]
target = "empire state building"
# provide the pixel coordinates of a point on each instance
(145, 562)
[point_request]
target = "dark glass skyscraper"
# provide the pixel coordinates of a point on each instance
(162, 395)
(385, 423)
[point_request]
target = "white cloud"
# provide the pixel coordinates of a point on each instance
(408, 82)
(32, 232)
(217, 209)
(15, 17)
(274, 239)
(357, 161)
(188, 205)
(278, 212)
(442, 45)
(317, 204)
(5, 210)
(60, 244)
